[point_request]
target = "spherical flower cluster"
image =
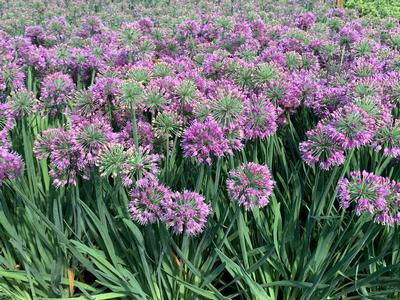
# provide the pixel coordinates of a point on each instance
(138, 163)
(23, 102)
(11, 77)
(35, 33)
(250, 185)
(185, 212)
(350, 127)
(261, 119)
(203, 140)
(305, 21)
(188, 28)
(146, 199)
(7, 122)
(387, 139)
(321, 149)
(57, 88)
(11, 165)
(74, 151)
(371, 195)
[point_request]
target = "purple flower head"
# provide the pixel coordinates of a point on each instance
(348, 35)
(59, 146)
(305, 20)
(139, 162)
(56, 26)
(7, 122)
(105, 89)
(11, 165)
(261, 120)
(188, 29)
(387, 138)
(337, 12)
(145, 24)
(57, 88)
(321, 149)
(11, 77)
(144, 132)
(203, 140)
(327, 100)
(91, 135)
(250, 185)
(36, 34)
(227, 104)
(259, 29)
(185, 212)
(90, 25)
(146, 199)
(372, 195)
(350, 127)
(22, 103)
(366, 67)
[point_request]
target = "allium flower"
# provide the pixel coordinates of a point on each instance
(305, 21)
(261, 119)
(83, 103)
(234, 135)
(60, 147)
(11, 165)
(265, 73)
(36, 34)
(90, 25)
(187, 91)
(371, 195)
(204, 140)
(188, 29)
(350, 126)
(144, 132)
(56, 26)
(366, 67)
(105, 90)
(138, 163)
(57, 88)
(336, 12)
(321, 149)
(22, 102)
(7, 121)
(185, 212)
(146, 199)
(228, 107)
(90, 136)
(110, 160)
(387, 138)
(250, 185)
(348, 35)
(327, 100)
(132, 93)
(167, 123)
(11, 77)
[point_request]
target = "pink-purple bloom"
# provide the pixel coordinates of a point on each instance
(185, 212)
(11, 165)
(350, 127)
(146, 199)
(250, 185)
(204, 140)
(321, 149)
(372, 195)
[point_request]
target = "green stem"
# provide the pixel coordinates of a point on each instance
(134, 127)
(30, 79)
(342, 56)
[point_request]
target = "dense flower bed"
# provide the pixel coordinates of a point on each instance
(129, 105)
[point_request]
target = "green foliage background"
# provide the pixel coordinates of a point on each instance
(377, 8)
